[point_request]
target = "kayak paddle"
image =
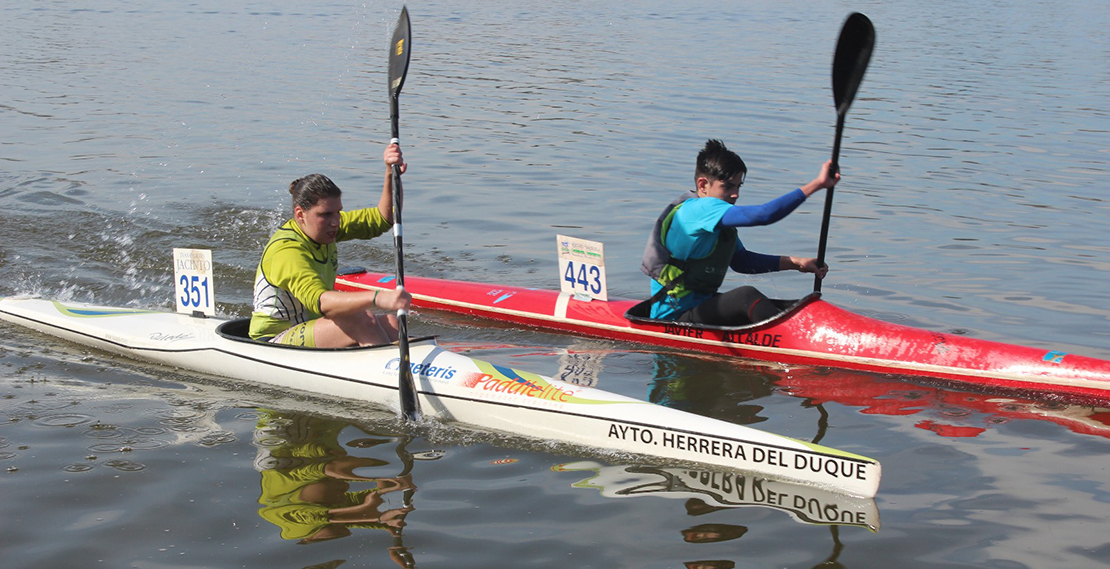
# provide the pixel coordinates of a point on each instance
(853, 52)
(398, 68)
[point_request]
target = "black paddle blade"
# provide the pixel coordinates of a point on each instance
(399, 53)
(853, 52)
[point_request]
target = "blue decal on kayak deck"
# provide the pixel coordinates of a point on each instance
(1055, 357)
(95, 312)
(387, 279)
(503, 297)
(511, 374)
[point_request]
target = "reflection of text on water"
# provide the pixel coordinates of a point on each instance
(740, 490)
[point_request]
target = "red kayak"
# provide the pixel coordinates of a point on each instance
(808, 331)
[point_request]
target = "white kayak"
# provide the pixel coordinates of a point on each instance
(451, 388)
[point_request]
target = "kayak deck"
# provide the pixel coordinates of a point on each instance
(810, 331)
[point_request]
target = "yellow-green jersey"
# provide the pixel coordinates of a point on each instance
(295, 271)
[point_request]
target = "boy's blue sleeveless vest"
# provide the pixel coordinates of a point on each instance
(679, 278)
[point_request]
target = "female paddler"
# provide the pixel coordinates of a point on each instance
(295, 301)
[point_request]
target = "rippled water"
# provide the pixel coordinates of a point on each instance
(973, 201)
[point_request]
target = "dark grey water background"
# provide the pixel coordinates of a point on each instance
(973, 200)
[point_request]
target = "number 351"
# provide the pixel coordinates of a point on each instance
(191, 294)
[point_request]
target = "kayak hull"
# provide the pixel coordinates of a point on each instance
(811, 331)
(451, 388)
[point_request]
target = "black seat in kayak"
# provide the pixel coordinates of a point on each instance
(642, 310)
(239, 330)
(236, 329)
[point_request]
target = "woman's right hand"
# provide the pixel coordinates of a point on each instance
(392, 155)
(393, 300)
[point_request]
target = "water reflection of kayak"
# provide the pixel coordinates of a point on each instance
(947, 412)
(805, 504)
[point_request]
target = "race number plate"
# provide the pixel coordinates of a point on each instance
(582, 268)
(193, 284)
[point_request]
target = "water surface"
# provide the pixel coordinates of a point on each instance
(973, 201)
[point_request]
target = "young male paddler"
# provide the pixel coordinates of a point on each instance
(694, 243)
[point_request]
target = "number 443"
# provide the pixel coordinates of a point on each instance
(588, 277)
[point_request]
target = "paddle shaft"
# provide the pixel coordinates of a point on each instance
(833, 169)
(406, 384)
(398, 234)
(398, 69)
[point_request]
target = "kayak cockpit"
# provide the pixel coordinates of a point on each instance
(641, 311)
(239, 331)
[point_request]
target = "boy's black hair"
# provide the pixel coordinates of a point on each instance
(717, 162)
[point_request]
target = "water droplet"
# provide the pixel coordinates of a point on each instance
(63, 420)
(125, 465)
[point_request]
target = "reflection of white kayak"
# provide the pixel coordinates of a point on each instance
(451, 387)
(807, 504)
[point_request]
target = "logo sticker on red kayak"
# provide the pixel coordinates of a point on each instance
(500, 294)
(1055, 357)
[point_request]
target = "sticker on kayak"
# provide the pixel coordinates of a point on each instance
(193, 281)
(501, 380)
(423, 369)
(582, 268)
(495, 379)
(819, 461)
(97, 312)
(500, 294)
(1055, 357)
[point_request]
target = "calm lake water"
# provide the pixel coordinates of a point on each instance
(973, 200)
